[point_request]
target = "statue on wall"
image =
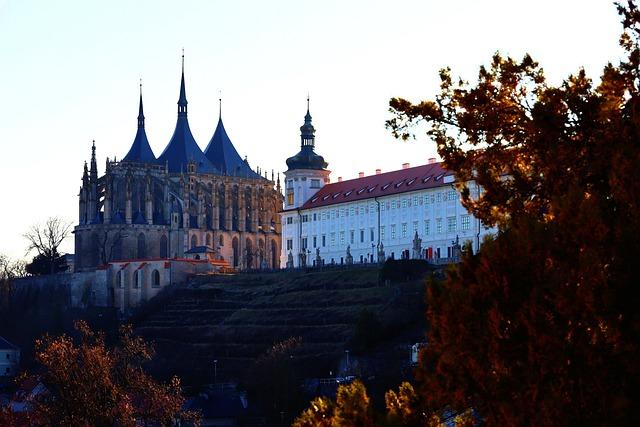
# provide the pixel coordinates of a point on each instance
(417, 247)
(381, 256)
(349, 257)
(290, 260)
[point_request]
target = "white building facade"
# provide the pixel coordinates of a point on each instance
(414, 212)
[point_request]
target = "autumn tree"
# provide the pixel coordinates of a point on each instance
(542, 326)
(351, 409)
(46, 238)
(91, 384)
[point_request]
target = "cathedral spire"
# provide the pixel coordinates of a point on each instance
(94, 163)
(182, 101)
(140, 112)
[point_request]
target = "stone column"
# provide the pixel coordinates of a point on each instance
(215, 213)
(242, 211)
(228, 209)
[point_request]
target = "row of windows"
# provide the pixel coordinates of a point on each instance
(137, 279)
(438, 197)
(451, 224)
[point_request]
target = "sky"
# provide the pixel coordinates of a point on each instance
(70, 71)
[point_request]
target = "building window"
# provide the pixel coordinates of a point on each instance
(155, 279)
(404, 230)
(315, 241)
(324, 240)
(121, 279)
(361, 210)
(426, 227)
(393, 204)
(136, 279)
(304, 243)
(352, 211)
(382, 233)
(393, 231)
(362, 235)
(415, 200)
(371, 233)
(451, 195)
(438, 225)
(315, 183)
(221, 240)
(404, 203)
(290, 197)
(289, 220)
(451, 224)
(415, 227)
(342, 238)
(465, 222)
(333, 239)
(351, 237)
(315, 217)
(289, 244)
(382, 206)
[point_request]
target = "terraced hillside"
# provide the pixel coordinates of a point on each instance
(235, 319)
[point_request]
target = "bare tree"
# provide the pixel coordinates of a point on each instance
(46, 238)
(12, 269)
(108, 241)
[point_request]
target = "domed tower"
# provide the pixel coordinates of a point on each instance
(307, 171)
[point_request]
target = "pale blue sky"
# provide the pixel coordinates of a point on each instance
(69, 73)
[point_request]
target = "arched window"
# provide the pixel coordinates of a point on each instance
(155, 276)
(208, 239)
(121, 279)
(136, 279)
(194, 241)
(142, 246)
(164, 250)
(221, 240)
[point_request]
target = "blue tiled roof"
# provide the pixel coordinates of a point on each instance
(140, 150)
(224, 157)
(138, 218)
(182, 149)
(6, 345)
(117, 218)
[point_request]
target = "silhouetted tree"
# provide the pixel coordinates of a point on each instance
(46, 238)
(542, 326)
(41, 265)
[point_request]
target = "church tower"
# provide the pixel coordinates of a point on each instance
(307, 171)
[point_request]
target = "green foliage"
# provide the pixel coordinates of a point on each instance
(41, 265)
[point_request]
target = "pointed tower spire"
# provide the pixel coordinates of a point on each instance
(140, 151)
(94, 163)
(220, 106)
(182, 101)
(140, 111)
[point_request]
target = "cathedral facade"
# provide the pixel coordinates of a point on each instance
(148, 208)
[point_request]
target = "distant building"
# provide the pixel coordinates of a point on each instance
(9, 358)
(414, 212)
(145, 207)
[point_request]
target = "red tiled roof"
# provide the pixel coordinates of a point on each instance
(395, 182)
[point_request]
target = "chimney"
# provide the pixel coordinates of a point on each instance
(405, 166)
(378, 171)
(360, 174)
(432, 160)
(339, 179)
